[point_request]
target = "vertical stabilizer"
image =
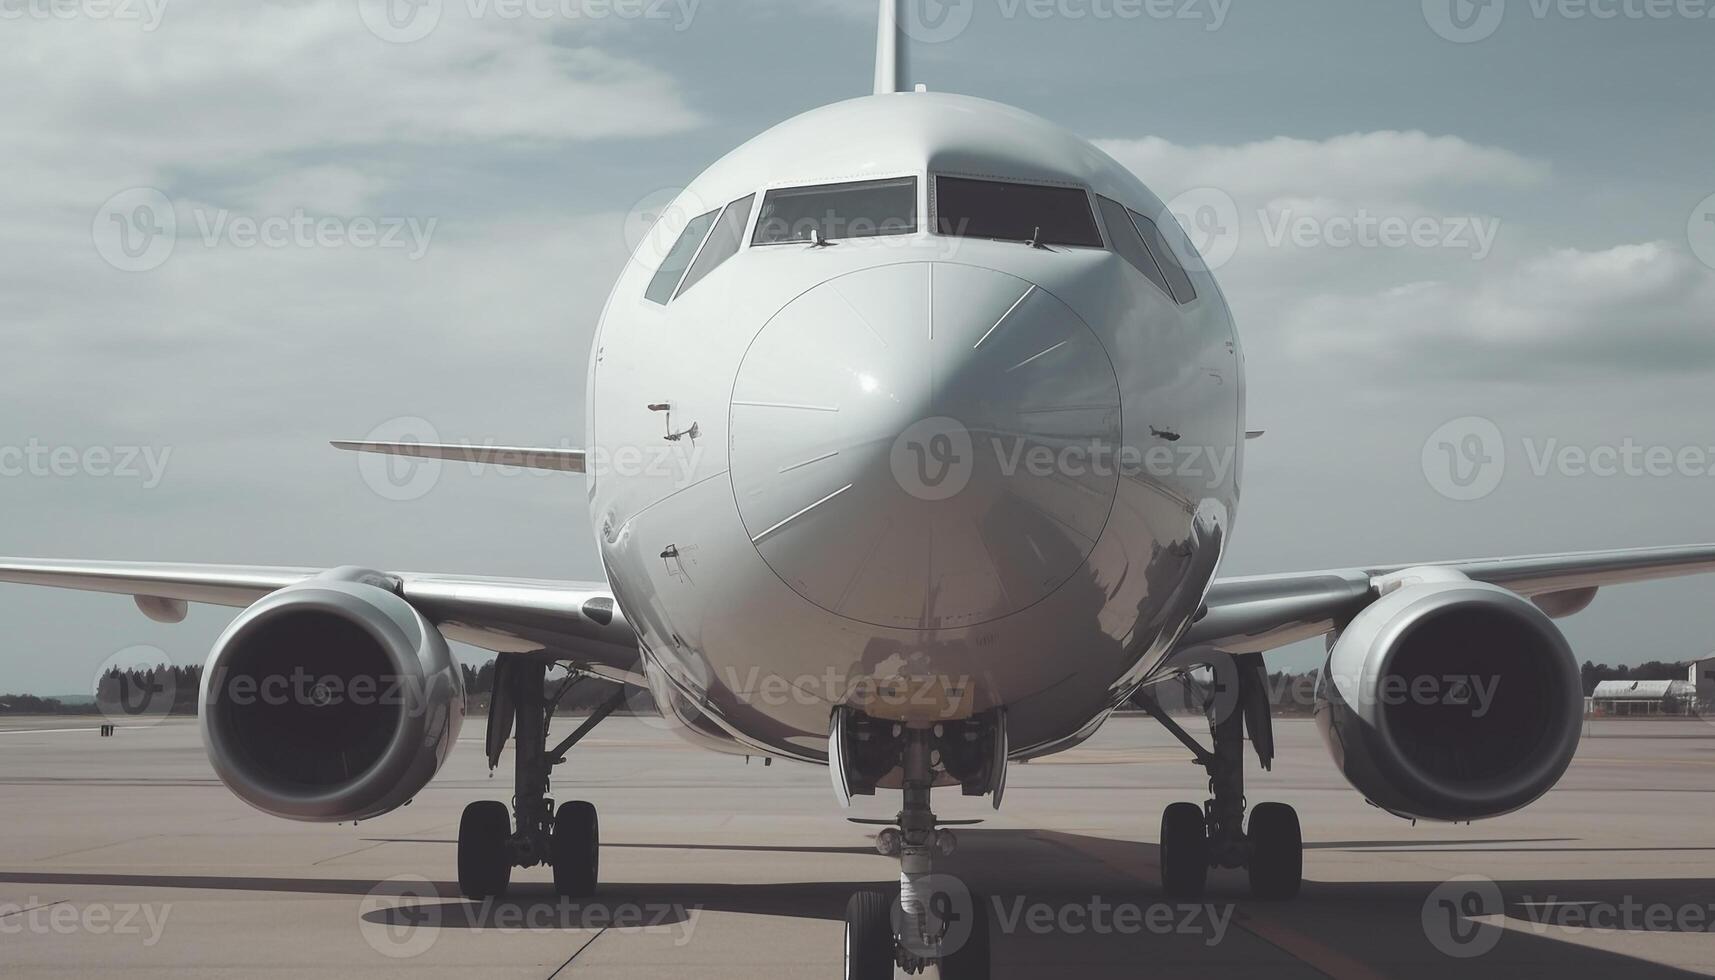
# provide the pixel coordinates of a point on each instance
(890, 49)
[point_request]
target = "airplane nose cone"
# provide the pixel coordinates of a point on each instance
(925, 445)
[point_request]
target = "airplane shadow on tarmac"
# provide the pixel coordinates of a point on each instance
(1059, 902)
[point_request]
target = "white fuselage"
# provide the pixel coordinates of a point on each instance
(923, 474)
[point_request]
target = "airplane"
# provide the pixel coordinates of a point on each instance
(932, 364)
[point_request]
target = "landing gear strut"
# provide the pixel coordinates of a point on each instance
(492, 841)
(935, 919)
(1195, 839)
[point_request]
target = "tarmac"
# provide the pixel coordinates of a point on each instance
(124, 856)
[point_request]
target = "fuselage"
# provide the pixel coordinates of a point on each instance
(857, 438)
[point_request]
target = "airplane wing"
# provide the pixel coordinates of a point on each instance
(1252, 615)
(561, 460)
(574, 621)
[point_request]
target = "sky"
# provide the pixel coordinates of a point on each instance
(1470, 247)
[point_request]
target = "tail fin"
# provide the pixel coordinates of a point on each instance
(890, 67)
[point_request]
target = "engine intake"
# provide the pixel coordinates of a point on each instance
(332, 700)
(1449, 699)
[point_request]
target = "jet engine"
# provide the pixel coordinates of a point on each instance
(1448, 699)
(332, 700)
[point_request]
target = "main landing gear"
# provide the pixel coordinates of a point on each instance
(933, 919)
(493, 841)
(1196, 838)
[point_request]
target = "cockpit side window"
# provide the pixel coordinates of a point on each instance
(723, 243)
(679, 258)
(1013, 212)
(832, 212)
(1129, 243)
(1182, 289)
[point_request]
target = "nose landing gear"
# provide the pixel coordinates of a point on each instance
(934, 919)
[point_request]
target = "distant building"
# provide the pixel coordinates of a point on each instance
(1702, 674)
(1622, 698)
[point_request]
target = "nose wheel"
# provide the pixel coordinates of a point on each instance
(871, 948)
(932, 920)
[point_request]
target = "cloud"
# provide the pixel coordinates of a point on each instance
(326, 189)
(1386, 165)
(1379, 253)
(1641, 308)
(98, 106)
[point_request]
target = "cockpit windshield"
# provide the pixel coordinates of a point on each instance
(1036, 213)
(832, 212)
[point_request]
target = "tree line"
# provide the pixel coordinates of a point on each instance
(1290, 693)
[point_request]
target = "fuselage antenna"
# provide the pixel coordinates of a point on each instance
(890, 62)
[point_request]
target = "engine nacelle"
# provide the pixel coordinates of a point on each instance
(332, 700)
(1448, 699)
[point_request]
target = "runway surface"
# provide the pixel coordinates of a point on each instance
(125, 857)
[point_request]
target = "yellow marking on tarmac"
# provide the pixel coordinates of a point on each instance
(1125, 856)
